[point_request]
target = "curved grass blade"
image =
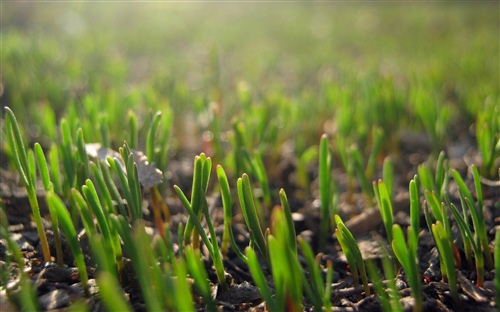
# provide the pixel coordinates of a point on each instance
(69, 229)
(27, 176)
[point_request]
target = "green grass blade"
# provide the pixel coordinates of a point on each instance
(150, 143)
(28, 176)
(199, 274)
(133, 130)
(290, 228)
(42, 166)
(260, 279)
(384, 203)
(324, 189)
(110, 294)
(68, 228)
(249, 212)
(388, 175)
(196, 190)
(55, 174)
(414, 208)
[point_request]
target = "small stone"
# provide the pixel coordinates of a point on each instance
(244, 292)
(55, 274)
(92, 285)
(56, 299)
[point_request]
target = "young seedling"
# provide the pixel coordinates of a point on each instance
(67, 156)
(27, 174)
(407, 256)
(307, 157)
(438, 183)
(275, 303)
(110, 294)
(248, 208)
(318, 291)
(352, 253)
(388, 293)
(129, 181)
(435, 119)
(488, 139)
(470, 242)
(138, 248)
(377, 142)
(228, 216)
(476, 211)
(325, 183)
(414, 209)
(357, 164)
(198, 207)
(439, 212)
(47, 185)
(444, 246)
(259, 170)
(111, 239)
(385, 204)
(69, 229)
(388, 175)
(201, 176)
(55, 171)
(157, 203)
(199, 274)
(133, 130)
(285, 266)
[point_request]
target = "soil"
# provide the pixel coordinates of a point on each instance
(58, 287)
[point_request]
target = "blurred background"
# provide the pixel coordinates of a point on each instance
(216, 57)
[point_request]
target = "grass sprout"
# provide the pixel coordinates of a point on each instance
(406, 253)
(137, 245)
(27, 174)
(352, 253)
(488, 139)
(317, 289)
(47, 185)
(69, 229)
(325, 189)
(248, 208)
(110, 293)
(388, 295)
(476, 211)
(444, 246)
(198, 207)
(197, 270)
(385, 203)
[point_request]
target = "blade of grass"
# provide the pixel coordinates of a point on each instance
(324, 189)
(110, 294)
(228, 215)
(406, 255)
(444, 247)
(248, 207)
(23, 168)
(47, 185)
(199, 274)
(260, 280)
(384, 203)
(69, 229)
(469, 242)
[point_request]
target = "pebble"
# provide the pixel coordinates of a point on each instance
(56, 299)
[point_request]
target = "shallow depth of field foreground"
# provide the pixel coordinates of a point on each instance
(250, 156)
